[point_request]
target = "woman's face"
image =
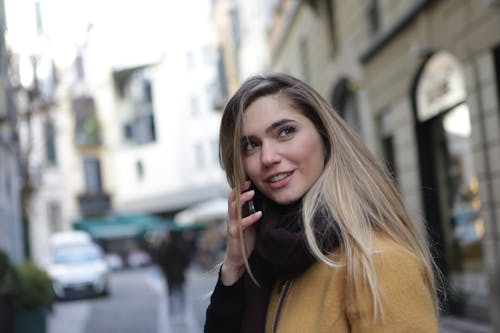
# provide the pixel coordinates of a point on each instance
(282, 151)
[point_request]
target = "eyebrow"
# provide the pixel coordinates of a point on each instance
(245, 138)
(278, 123)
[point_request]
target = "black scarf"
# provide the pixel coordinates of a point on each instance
(280, 253)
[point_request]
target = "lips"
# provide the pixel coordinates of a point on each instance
(279, 177)
(279, 180)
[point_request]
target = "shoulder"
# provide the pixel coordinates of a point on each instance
(400, 281)
(385, 252)
(393, 259)
(399, 274)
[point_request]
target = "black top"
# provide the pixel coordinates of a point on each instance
(225, 312)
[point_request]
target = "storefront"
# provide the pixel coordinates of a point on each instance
(449, 182)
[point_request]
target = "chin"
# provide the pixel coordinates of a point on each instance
(285, 199)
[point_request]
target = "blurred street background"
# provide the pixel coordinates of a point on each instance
(109, 120)
(138, 304)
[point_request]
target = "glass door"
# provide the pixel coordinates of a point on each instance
(458, 204)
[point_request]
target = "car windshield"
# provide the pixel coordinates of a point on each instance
(76, 254)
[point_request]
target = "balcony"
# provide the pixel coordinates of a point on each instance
(94, 204)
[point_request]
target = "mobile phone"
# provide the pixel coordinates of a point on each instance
(249, 207)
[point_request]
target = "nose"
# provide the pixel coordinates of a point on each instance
(269, 154)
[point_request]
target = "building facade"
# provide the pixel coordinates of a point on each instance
(32, 74)
(144, 112)
(10, 210)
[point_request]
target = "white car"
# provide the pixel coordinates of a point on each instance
(78, 269)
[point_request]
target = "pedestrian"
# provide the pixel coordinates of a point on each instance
(174, 259)
(329, 245)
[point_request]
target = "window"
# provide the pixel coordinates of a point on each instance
(139, 168)
(344, 100)
(332, 28)
(79, 69)
(496, 59)
(388, 153)
(127, 131)
(350, 111)
(87, 132)
(304, 59)
(386, 134)
(54, 215)
(136, 89)
(373, 16)
(147, 91)
(144, 129)
(235, 21)
(92, 174)
(50, 146)
(221, 73)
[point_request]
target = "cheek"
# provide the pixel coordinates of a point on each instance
(250, 166)
(314, 155)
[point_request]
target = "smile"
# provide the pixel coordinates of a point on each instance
(280, 180)
(279, 177)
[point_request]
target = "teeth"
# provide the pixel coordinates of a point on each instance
(279, 177)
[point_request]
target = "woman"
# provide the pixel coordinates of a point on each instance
(331, 247)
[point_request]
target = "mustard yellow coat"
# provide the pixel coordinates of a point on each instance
(320, 301)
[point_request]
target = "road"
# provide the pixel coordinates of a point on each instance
(137, 303)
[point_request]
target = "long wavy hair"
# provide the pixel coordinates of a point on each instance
(354, 187)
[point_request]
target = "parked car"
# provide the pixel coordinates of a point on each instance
(78, 268)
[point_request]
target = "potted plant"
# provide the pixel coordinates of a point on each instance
(7, 289)
(33, 296)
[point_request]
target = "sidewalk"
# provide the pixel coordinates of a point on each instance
(460, 325)
(165, 323)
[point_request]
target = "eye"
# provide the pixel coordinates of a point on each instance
(247, 146)
(286, 131)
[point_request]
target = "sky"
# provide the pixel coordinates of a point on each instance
(66, 22)
(129, 31)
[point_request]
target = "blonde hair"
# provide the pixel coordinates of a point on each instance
(354, 187)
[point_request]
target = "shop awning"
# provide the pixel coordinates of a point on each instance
(205, 212)
(126, 226)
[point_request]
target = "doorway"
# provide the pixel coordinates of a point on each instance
(449, 183)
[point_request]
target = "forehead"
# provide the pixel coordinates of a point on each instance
(268, 109)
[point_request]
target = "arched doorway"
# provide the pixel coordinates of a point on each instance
(449, 182)
(344, 100)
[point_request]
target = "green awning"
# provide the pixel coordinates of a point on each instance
(127, 226)
(122, 226)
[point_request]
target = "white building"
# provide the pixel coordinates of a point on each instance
(37, 126)
(151, 96)
(10, 214)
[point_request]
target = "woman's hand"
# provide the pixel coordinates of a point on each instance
(234, 260)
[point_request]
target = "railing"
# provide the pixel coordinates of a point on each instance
(94, 204)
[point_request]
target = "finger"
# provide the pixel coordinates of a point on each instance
(250, 219)
(246, 185)
(245, 196)
(246, 223)
(232, 196)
